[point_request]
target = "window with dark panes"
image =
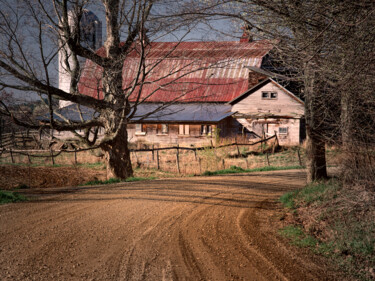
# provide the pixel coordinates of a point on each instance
(283, 130)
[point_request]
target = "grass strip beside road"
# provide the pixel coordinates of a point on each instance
(231, 170)
(116, 180)
(235, 170)
(334, 221)
(11, 197)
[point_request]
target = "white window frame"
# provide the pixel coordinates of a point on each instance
(164, 129)
(139, 129)
(267, 95)
(184, 130)
(285, 129)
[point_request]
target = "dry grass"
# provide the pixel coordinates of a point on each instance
(190, 163)
(341, 220)
(217, 159)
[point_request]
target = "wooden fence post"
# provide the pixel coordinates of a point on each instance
(75, 156)
(274, 143)
(177, 160)
(136, 159)
(157, 159)
(23, 140)
(36, 141)
(299, 157)
(223, 163)
(12, 137)
(195, 154)
(277, 140)
(153, 153)
(213, 147)
(200, 165)
(238, 150)
(11, 155)
(52, 159)
(247, 163)
(28, 158)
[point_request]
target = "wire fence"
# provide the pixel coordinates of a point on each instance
(161, 158)
(22, 139)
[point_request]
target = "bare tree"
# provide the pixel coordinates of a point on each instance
(327, 46)
(33, 32)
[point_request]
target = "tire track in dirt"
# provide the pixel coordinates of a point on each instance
(217, 228)
(219, 249)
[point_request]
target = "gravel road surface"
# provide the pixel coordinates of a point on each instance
(199, 228)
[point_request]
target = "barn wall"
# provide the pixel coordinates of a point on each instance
(153, 136)
(229, 127)
(292, 137)
(271, 125)
(284, 104)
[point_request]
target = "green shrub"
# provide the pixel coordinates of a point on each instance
(116, 180)
(235, 169)
(298, 237)
(98, 182)
(288, 199)
(11, 197)
(22, 186)
(343, 219)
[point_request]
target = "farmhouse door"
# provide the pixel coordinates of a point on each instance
(258, 128)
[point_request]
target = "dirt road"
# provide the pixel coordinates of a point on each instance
(214, 228)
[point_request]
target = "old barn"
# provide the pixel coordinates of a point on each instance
(196, 91)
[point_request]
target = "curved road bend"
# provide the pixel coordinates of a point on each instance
(201, 228)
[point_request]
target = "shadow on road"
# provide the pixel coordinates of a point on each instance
(236, 191)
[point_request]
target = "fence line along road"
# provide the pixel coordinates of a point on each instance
(40, 153)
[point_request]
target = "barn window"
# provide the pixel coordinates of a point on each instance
(163, 129)
(184, 130)
(283, 130)
(269, 95)
(206, 129)
(140, 129)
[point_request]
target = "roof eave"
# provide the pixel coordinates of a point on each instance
(249, 91)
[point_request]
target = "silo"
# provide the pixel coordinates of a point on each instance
(91, 38)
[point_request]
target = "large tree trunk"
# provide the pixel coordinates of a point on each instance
(316, 157)
(116, 150)
(117, 156)
(315, 145)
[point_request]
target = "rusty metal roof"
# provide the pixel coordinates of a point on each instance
(185, 71)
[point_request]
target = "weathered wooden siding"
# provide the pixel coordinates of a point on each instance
(292, 137)
(153, 136)
(268, 115)
(284, 104)
(229, 127)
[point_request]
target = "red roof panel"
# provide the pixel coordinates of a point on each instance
(186, 71)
